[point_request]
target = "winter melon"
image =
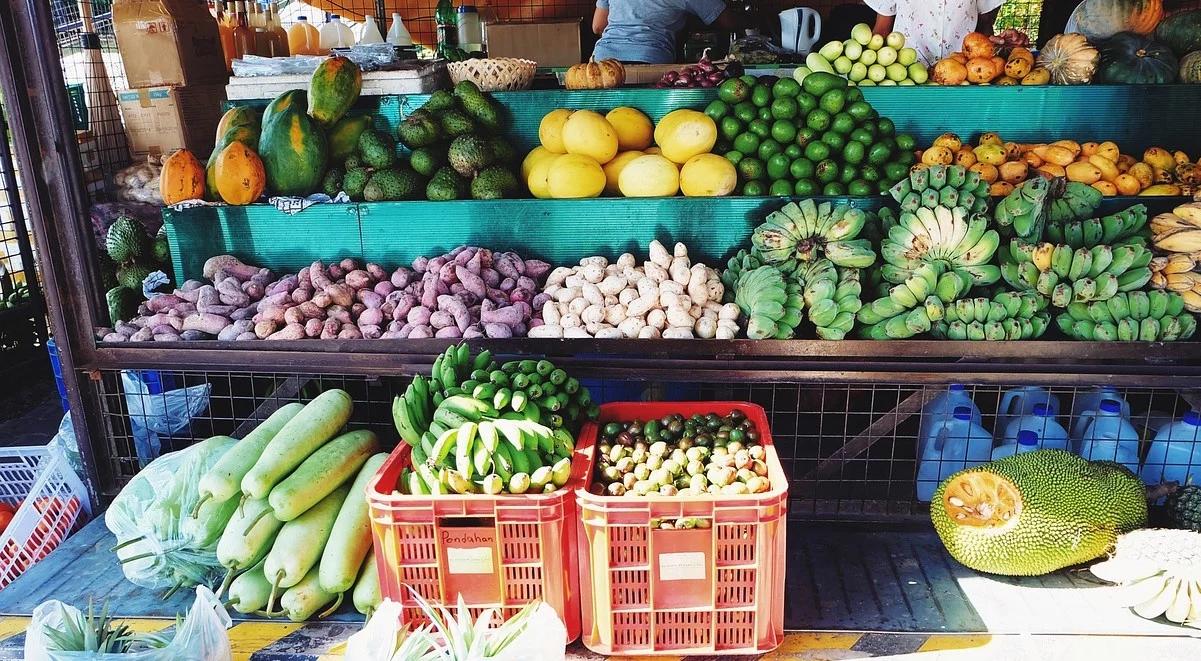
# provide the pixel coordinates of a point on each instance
(1100, 19)
(1181, 31)
(1190, 68)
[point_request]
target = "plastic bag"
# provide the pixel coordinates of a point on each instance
(67, 443)
(152, 415)
(201, 636)
(159, 544)
(544, 638)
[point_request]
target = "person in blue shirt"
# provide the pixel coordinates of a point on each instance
(645, 31)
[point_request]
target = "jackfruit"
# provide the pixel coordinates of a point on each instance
(1036, 512)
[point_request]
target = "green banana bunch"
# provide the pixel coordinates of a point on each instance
(912, 306)
(942, 185)
(807, 231)
(412, 411)
(1065, 275)
(771, 303)
(1072, 200)
(1126, 226)
(832, 297)
(1145, 316)
(949, 236)
(1007, 316)
(1022, 213)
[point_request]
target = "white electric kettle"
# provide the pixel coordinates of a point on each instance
(800, 29)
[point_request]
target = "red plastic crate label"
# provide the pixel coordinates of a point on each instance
(682, 569)
(470, 562)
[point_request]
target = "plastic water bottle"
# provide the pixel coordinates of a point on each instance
(937, 410)
(1175, 454)
(1042, 422)
(1090, 402)
(1110, 437)
(1027, 441)
(1017, 402)
(398, 35)
(958, 444)
(370, 33)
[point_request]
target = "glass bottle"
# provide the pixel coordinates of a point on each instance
(227, 20)
(470, 30)
(277, 37)
(258, 23)
(243, 35)
(448, 28)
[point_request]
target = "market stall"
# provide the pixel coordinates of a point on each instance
(417, 318)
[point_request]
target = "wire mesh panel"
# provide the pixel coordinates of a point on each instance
(850, 450)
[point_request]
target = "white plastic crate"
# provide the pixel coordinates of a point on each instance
(50, 502)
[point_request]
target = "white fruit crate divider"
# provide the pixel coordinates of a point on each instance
(28, 475)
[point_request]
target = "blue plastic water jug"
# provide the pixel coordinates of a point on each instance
(1088, 402)
(1027, 441)
(1042, 422)
(959, 443)
(1017, 402)
(1110, 437)
(937, 410)
(1175, 453)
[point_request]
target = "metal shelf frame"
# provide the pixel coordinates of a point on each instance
(32, 84)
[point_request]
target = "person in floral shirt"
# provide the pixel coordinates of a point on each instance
(934, 28)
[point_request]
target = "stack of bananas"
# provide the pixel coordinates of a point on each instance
(771, 302)
(1083, 275)
(1154, 316)
(455, 422)
(942, 186)
(1023, 212)
(1072, 200)
(1178, 231)
(832, 297)
(1125, 226)
(1008, 316)
(1177, 272)
(807, 231)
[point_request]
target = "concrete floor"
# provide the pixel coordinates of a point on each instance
(30, 409)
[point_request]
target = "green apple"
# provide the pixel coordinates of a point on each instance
(868, 57)
(818, 63)
(799, 73)
(862, 33)
(842, 65)
(906, 56)
(888, 83)
(908, 82)
(897, 72)
(876, 42)
(877, 72)
(886, 55)
(918, 73)
(852, 49)
(866, 82)
(895, 40)
(831, 51)
(858, 72)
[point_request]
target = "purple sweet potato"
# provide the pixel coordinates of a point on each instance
(371, 317)
(401, 278)
(507, 315)
(338, 313)
(376, 272)
(384, 287)
(246, 336)
(223, 310)
(497, 331)
(507, 284)
(114, 337)
(330, 329)
(263, 329)
(312, 328)
(322, 299)
(441, 319)
(359, 279)
(289, 332)
(348, 264)
(274, 299)
(231, 265)
(370, 332)
(476, 263)
(429, 293)
(143, 335)
(449, 331)
(536, 269)
(369, 298)
(195, 336)
(206, 323)
(286, 283)
(505, 266)
(356, 309)
(242, 313)
(336, 272)
(350, 333)
(318, 276)
(166, 337)
(420, 264)
(163, 303)
(491, 277)
(421, 332)
(419, 315)
(473, 282)
(302, 294)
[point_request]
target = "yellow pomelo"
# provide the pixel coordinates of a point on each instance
(589, 134)
(708, 175)
(649, 176)
(613, 170)
(536, 155)
(652, 150)
(550, 130)
(683, 134)
(574, 175)
(634, 129)
(538, 181)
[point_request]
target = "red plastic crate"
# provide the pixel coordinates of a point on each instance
(496, 551)
(716, 590)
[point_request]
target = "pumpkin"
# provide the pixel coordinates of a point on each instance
(1131, 58)
(1190, 68)
(335, 87)
(239, 174)
(182, 178)
(1181, 31)
(1069, 58)
(1100, 19)
(593, 75)
(293, 147)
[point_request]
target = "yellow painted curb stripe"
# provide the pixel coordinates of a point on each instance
(250, 637)
(147, 625)
(938, 643)
(11, 626)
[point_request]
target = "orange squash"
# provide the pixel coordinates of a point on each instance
(593, 75)
(182, 178)
(239, 175)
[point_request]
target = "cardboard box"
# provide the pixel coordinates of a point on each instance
(159, 120)
(168, 42)
(551, 43)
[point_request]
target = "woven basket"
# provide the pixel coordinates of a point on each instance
(495, 74)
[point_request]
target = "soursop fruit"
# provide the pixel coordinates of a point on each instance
(468, 154)
(131, 275)
(126, 240)
(1184, 508)
(162, 249)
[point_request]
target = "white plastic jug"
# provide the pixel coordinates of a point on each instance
(1017, 402)
(1042, 422)
(1110, 437)
(800, 28)
(937, 410)
(1027, 441)
(398, 35)
(959, 443)
(1091, 401)
(1175, 454)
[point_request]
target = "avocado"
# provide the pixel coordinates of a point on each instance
(392, 184)
(455, 122)
(439, 101)
(427, 160)
(331, 185)
(376, 150)
(494, 183)
(478, 105)
(503, 151)
(446, 185)
(1036, 512)
(469, 154)
(355, 181)
(419, 129)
